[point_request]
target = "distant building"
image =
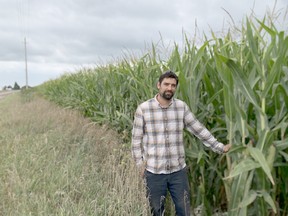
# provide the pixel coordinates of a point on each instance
(7, 88)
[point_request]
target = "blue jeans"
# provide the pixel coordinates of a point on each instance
(176, 183)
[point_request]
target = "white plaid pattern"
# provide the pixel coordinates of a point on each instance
(157, 135)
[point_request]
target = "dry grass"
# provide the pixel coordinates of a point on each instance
(55, 162)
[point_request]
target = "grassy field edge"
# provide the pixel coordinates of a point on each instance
(55, 162)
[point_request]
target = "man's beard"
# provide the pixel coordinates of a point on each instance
(167, 96)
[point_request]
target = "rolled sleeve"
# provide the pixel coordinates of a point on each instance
(201, 132)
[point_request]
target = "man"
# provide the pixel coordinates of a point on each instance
(158, 149)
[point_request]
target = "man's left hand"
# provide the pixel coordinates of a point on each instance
(227, 148)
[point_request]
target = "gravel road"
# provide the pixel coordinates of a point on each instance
(5, 93)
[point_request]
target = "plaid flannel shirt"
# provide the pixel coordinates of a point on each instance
(157, 135)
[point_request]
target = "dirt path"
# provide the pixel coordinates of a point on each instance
(6, 93)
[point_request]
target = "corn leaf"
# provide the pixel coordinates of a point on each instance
(248, 199)
(269, 200)
(244, 166)
(259, 157)
(241, 81)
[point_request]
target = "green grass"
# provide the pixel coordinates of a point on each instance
(55, 162)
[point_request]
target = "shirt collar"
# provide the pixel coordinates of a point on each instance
(171, 102)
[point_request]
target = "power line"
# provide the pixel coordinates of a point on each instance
(26, 65)
(23, 19)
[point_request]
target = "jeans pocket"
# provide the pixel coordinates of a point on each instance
(147, 173)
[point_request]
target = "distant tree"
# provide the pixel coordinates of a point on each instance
(16, 86)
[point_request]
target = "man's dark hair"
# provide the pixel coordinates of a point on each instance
(168, 74)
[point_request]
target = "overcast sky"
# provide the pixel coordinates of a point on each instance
(65, 35)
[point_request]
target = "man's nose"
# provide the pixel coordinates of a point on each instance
(169, 87)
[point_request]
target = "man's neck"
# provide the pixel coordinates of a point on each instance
(163, 102)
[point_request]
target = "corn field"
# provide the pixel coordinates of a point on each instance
(236, 85)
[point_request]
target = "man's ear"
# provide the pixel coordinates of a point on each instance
(158, 85)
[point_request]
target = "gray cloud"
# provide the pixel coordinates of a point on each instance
(63, 35)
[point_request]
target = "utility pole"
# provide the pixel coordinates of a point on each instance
(26, 67)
